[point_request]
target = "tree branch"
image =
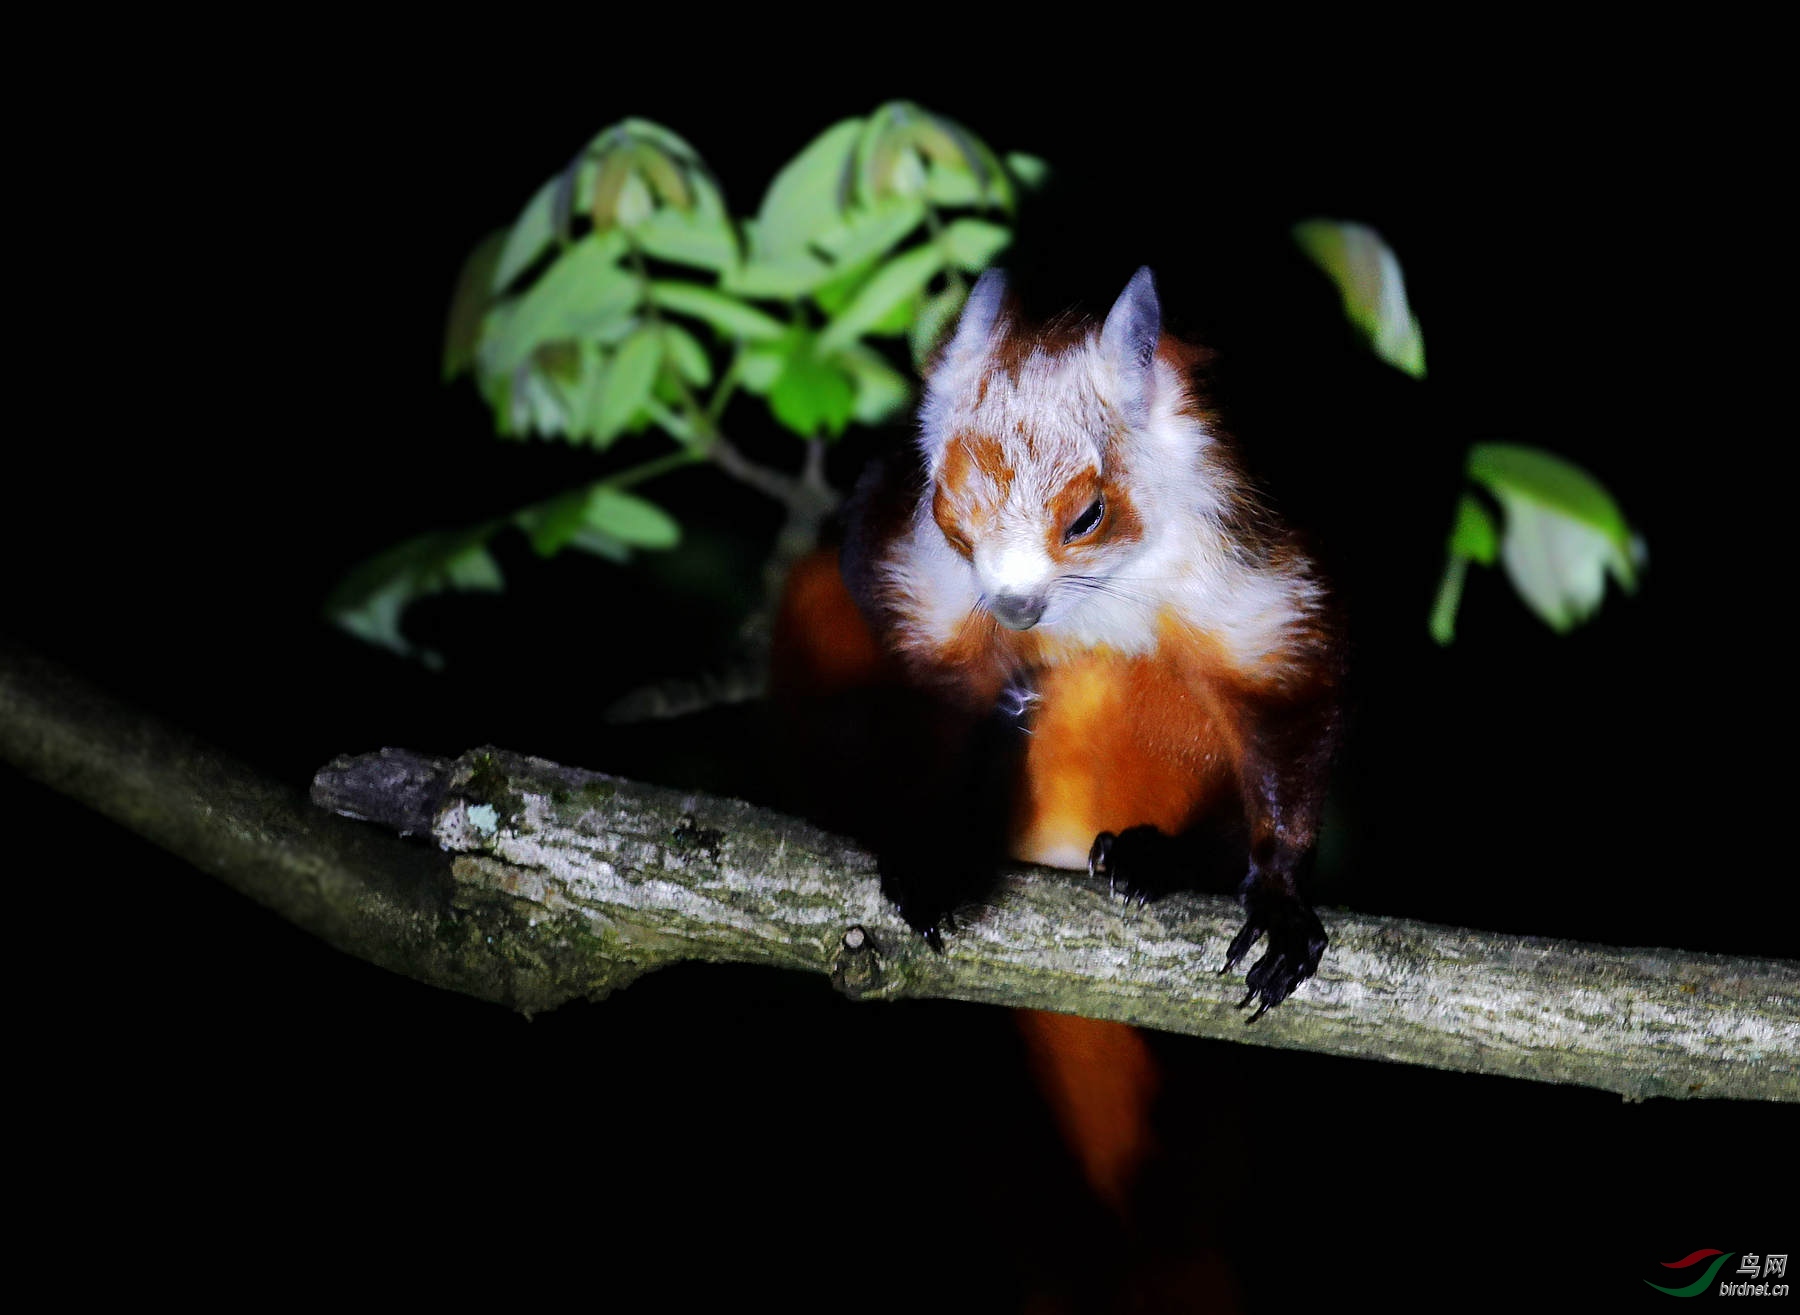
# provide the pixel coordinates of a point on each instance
(593, 870)
(565, 884)
(369, 894)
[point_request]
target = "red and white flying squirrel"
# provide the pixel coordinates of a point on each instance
(1077, 638)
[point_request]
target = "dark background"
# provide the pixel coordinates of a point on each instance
(240, 365)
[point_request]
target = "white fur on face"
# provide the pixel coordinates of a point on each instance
(1014, 562)
(1059, 420)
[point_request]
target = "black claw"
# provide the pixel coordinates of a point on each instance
(924, 904)
(1126, 877)
(1099, 856)
(1142, 864)
(1240, 944)
(1100, 861)
(1296, 940)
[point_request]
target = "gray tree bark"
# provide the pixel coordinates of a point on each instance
(546, 884)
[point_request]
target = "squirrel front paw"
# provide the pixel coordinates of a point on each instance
(1134, 863)
(1296, 941)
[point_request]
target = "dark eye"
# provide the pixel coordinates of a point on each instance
(1085, 523)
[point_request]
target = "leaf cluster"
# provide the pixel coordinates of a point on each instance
(1559, 533)
(626, 298)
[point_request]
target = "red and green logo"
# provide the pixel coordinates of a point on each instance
(1700, 1284)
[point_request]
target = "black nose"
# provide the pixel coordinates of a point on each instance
(1016, 611)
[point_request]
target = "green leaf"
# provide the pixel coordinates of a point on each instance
(687, 355)
(788, 277)
(888, 159)
(550, 525)
(690, 238)
(728, 315)
(885, 297)
(760, 365)
(472, 569)
(629, 377)
(469, 303)
(597, 518)
(600, 544)
(868, 233)
(673, 168)
(954, 148)
(668, 390)
(1449, 598)
(376, 619)
(980, 157)
(370, 600)
(933, 320)
(633, 206)
(898, 317)
(1474, 535)
(1030, 170)
(559, 362)
(629, 518)
(841, 288)
(943, 141)
(904, 174)
(1557, 563)
(808, 195)
(1563, 532)
(672, 143)
(1368, 279)
(951, 185)
(1549, 479)
(539, 404)
(612, 171)
(496, 391)
(812, 396)
(666, 177)
(973, 243)
(874, 154)
(530, 234)
(627, 167)
(583, 294)
(882, 392)
(962, 170)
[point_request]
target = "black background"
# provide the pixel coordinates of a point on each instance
(233, 396)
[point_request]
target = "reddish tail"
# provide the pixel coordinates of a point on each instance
(822, 645)
(1099, 1080)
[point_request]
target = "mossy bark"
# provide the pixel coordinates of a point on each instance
(640, 876)
(547, 883)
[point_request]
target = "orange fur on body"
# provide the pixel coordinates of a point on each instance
(1121, 741)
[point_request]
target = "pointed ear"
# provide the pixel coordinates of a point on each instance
(976, 324)
(1133, 326)
(958, 362)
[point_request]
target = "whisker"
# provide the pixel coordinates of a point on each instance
(1110, 587)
